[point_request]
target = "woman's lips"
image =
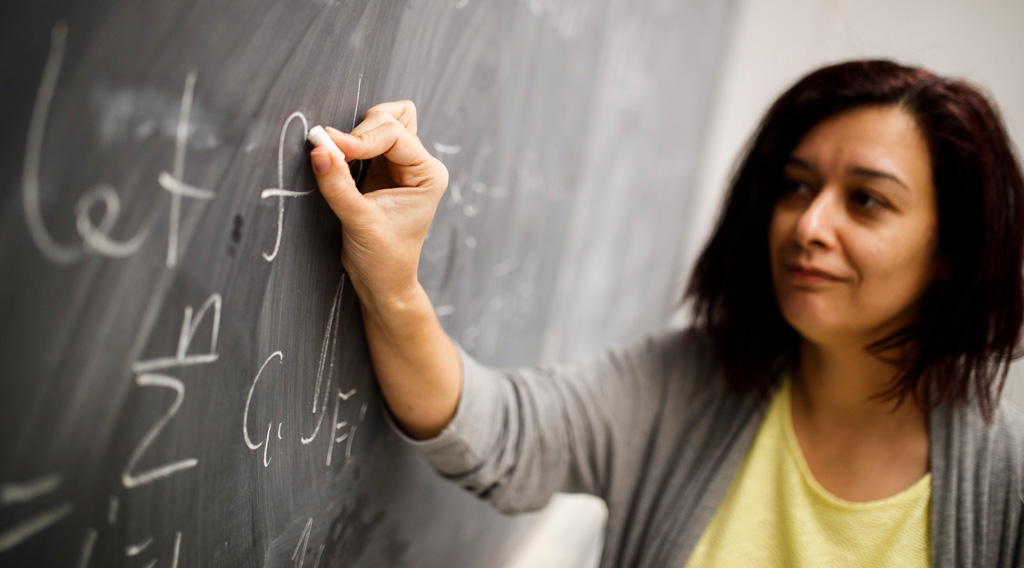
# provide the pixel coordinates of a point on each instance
(810, 275)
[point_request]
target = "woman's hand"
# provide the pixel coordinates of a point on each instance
(417, 366)
(382, 230)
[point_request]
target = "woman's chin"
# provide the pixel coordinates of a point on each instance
(816, 325)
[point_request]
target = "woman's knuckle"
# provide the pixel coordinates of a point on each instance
(383, 133)
(442, 173)
(392, 128)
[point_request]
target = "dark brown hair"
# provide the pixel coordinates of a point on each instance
(960, 348)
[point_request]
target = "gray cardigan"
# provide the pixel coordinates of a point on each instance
(652, 430)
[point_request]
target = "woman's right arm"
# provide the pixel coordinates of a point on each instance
(383, 230)
(518, 435)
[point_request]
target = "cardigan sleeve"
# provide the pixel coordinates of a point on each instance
(978, 487)
(521, 434)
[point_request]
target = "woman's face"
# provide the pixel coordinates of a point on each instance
(853, 235)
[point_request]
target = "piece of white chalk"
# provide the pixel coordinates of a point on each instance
(319, 137)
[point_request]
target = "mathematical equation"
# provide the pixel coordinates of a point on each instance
(161, 372)
(331, 415)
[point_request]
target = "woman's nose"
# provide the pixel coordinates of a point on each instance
(815, 228)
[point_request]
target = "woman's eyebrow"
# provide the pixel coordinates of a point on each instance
(800, 164)
(856, 171)
(868, 173)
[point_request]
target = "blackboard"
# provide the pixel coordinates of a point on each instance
(184, 377)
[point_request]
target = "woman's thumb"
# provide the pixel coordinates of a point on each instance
(334, 178)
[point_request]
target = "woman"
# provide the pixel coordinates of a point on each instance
(835, 403)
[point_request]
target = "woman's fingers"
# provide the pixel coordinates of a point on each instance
(383, 230)
(349, 145)
(402, 111)
(393, 141)
(384, 115)
(336, 184)
(384, 133)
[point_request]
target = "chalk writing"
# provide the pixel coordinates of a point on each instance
(350, 435)
(189, 326)
(112, 509)
(279, 192)
(87, 545)
(51, 249)
(446, 150)
(321, 394)
(132, 550)
(136, 549)
(357, 165)
(299, 555)
(29, 490)
(130, 479)
(99, 219)
(22, 492)
(468, 191)
(331, 339)
(173, 182)
(245, 416)
(471, 201)
(96, 237)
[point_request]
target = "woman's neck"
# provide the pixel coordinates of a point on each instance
(859, 446)
(845, 382)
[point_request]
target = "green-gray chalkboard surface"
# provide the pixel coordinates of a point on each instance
(184, 375)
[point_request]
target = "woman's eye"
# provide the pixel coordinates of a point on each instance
(864, 199)
(792, 186)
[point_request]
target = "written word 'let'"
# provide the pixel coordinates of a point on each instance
(95, 237)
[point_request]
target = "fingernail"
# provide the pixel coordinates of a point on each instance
(321, 160)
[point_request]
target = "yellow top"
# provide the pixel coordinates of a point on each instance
(775, 513)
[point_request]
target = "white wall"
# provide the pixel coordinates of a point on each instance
(778, 41)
